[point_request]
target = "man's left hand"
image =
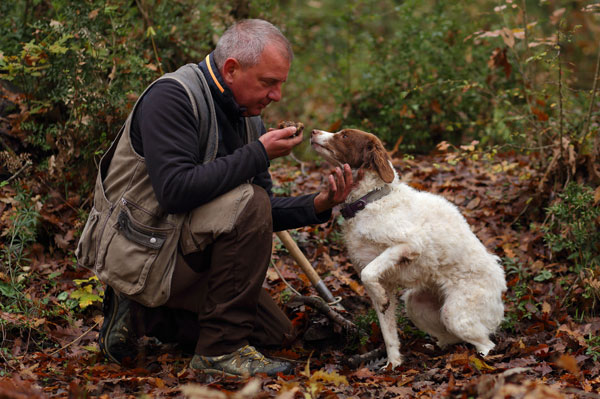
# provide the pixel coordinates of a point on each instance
(339, 186)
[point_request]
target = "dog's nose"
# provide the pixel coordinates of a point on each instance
(314, 132)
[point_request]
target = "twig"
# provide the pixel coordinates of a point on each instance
(145, 17)
(560, 100)
(582, 394)
(526, 42)
(18, 172)
(586, 126)
(528, 82)
(320, 305)
(356, 360)
(148, 24)
(75, 340)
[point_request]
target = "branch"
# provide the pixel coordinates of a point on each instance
(526, 43)
(356, 360)
(320, 305)
(586, 126)
(75, 340)
(560, 99)
(145, 17)
(18, 172)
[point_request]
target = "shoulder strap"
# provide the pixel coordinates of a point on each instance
(204, 111)
(204, 108)
(254, 128)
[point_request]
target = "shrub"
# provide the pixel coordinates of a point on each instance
(573, 227)
(572, 233)
(77, 67)
(405, 71)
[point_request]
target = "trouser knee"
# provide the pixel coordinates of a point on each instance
(256, 216)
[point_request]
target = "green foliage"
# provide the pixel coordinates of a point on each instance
(519, 294)
(404, 70)
(423, 72)
(88, 292)
(593, 349)
(420, 83)
(364, 323)
(573, 227)
(20, 234)
(81, 65)
(14, 264)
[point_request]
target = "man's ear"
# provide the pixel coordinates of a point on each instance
(230, 68)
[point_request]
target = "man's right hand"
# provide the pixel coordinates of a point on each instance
(279, 143)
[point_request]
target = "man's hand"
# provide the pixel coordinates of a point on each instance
(338, 188)
(280, 142)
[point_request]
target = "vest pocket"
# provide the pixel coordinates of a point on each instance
(130, 250)
(86, 247)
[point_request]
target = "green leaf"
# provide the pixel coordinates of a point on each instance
(63, 296)
(85, 296)
(543, 275)
(8, 290)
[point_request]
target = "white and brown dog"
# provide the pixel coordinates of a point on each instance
(398, 237)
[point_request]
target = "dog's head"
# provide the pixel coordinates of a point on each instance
(360, 150)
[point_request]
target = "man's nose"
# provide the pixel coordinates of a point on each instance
(275, 94)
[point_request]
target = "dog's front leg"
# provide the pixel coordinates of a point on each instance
(387, 321)
(377, 275)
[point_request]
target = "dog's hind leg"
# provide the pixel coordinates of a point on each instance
(423, 308)
(465, 322)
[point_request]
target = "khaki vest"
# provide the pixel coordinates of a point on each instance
(129, 241)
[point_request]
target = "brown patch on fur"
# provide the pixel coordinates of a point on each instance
(361, 150)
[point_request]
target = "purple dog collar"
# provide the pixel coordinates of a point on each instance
(350, 210)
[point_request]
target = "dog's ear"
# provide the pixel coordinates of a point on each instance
(382, 164)
(383, 167)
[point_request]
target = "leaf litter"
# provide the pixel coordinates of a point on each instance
(543, 350)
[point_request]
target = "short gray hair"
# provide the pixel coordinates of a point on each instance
(245, 41)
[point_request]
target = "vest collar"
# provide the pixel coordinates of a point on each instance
(350, 210)
(221, 92)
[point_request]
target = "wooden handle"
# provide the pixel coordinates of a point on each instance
(305, 265)
(298, 256)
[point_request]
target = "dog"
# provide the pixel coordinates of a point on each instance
(398, 237)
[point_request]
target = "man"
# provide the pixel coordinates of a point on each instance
(201, 288)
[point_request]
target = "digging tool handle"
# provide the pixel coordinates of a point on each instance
(305, 265)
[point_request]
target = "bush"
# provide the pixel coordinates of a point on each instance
(422, 72)
(77, 68)
(573, 227)
(405, 71)
(572, 233)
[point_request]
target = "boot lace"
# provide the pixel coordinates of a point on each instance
(251, 352)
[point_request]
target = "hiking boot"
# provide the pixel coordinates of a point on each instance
(117, 340)
(244, 361)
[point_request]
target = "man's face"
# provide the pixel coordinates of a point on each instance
(255, 87)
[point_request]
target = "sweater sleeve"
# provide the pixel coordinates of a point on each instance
(291, 212)
(173, 155)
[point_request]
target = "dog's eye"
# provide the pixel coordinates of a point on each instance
(344, 136)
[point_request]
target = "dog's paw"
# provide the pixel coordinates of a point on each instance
(484, 349)
(392, 364)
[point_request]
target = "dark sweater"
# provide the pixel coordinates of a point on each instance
(164, 131)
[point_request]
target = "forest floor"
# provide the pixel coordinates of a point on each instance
(545, 348)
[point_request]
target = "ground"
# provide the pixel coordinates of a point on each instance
(545, 348)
